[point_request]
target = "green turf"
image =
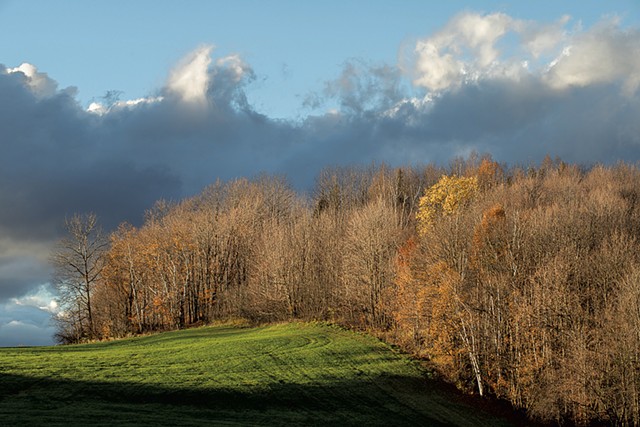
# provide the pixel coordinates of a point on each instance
(289, 374)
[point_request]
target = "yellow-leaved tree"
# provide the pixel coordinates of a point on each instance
(444, 198)
(450, 325)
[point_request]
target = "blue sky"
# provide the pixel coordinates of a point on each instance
(213, 89)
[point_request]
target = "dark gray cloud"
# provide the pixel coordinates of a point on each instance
(58, 159)
(20, 272)
(18, 333)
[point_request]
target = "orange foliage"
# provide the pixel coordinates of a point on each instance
(489, 173)
(487, 243)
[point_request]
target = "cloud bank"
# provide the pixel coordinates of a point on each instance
(485, 82)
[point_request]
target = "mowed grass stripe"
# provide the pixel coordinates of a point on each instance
(287, 374)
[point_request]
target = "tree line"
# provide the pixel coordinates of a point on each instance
(518, 283)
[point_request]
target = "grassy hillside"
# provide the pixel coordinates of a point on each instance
(224, 375)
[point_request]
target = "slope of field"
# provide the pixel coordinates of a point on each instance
(290, 374)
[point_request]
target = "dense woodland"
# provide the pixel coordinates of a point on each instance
(518, 283)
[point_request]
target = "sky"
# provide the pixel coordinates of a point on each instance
(107, 107)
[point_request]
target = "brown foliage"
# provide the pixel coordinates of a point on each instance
(529, 291)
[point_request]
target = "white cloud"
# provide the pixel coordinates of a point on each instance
(39, 83)
(100, 109)
(539, 39)
(97, 108)
(236, 65)
(437, 70)
(605, 54)
(480, 34)
(464, 49)
(189, 81)
(473, 47)
(41, 298)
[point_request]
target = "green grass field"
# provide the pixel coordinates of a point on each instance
(288, 374)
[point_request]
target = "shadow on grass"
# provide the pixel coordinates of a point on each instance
(380, 401)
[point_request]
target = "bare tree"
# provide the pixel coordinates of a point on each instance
(372, 240)
(78, 261)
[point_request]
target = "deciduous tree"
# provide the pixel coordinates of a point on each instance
(78, 260)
